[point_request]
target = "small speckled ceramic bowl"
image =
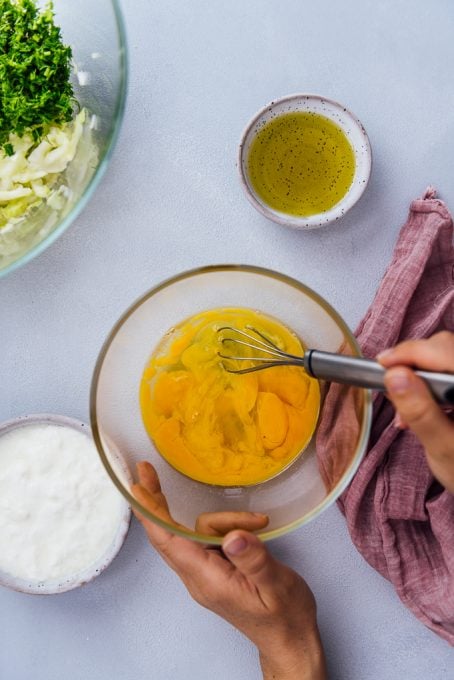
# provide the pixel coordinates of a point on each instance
(349, 124)
(52, 587)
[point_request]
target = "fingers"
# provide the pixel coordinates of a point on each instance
(436, 353)
(159, 537)
(148, 477)
(179, 553)
(417, 409)
(249, 555)
(152, 503)
(182, 555)
(192, 561)
(148, 493)
(220, 523)
(150, 496)
(149, 480)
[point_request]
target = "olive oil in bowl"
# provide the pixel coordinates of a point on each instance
(300, 163)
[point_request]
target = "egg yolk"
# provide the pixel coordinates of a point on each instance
(217, 427)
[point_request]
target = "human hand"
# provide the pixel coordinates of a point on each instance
(415, 406)
(244, 584)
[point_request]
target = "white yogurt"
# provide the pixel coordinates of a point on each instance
(59, 511)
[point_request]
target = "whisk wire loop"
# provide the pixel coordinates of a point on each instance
(265, 346)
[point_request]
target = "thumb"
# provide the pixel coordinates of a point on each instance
(416, 407)
(249, 555)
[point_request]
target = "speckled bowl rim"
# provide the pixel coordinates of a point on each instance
(303, 223)
(88, 574)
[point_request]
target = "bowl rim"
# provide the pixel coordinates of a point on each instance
(294, 283)
(293, 221)
(104, 162)
(55, 587)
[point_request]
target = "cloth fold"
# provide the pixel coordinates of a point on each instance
(399, 517)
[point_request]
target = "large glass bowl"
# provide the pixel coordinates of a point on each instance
(300, 493)
(95, 32)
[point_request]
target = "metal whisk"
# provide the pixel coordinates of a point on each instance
(328, 366)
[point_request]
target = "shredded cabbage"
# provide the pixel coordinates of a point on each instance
(28, 177)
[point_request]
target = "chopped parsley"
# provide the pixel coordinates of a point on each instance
(35, 67)
(8, 149)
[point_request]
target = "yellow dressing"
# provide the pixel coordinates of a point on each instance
(301, 163)
(217, 427)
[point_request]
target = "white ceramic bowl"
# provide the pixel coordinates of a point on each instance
(352, 128)
(91, 571)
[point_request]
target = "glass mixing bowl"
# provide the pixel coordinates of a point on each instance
(297, 495)
(96, 35)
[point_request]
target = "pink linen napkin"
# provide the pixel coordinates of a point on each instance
(399, 517)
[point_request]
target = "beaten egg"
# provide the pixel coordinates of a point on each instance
(217, 427)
